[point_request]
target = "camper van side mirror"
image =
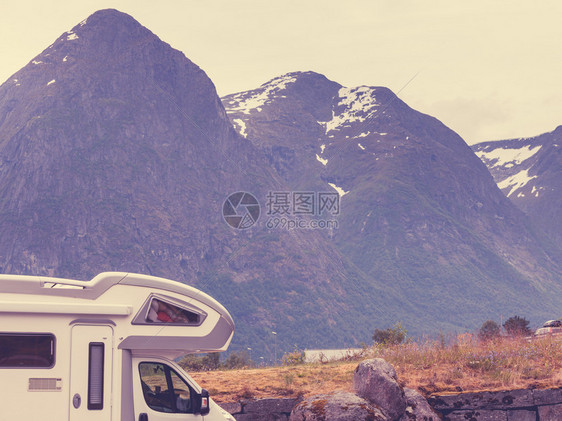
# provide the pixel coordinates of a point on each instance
(201, 403)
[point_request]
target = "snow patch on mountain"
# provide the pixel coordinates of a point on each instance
(321, 160)
(253, 100)
(508, 157)
(71, 36)
(362, 135)
(241, 126)
(355, 105)
(341, 192)
(516, 181)
(536, 190)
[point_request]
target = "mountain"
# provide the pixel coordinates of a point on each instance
(419, 211)
(117, 154)
(528, 171)
(311, 210)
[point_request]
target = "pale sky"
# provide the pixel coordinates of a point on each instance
(487, 69)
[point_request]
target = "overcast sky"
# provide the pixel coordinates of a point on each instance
(488, 69)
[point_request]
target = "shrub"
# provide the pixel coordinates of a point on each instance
(207, 362)
(489, 330)
(517, 326)
(237, 360)
(390, 336)
(293, 358)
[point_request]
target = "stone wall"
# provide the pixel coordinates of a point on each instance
(513, 405)
(261, 409)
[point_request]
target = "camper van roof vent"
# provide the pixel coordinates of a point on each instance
(61, 285)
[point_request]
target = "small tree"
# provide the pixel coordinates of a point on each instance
(201, 362)
(211, 361)
(293, 358)
(517, 326)
(390, 336)
(237, 360)
(489, 330)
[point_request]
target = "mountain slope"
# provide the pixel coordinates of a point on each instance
(116, 154)
(528, 171)
(420, 212)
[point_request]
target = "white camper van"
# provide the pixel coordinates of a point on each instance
(104, 349)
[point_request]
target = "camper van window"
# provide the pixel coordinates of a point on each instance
(22, 350)
(162, 312)
(95, 375)
(163, 389)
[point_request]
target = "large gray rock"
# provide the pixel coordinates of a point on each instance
(375, 380)
(418, 409)
(339, 406)
(232, 407)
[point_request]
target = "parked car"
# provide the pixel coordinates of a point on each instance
(550, 327)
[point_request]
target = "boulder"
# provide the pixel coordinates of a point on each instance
(418, 409)
(375, 381)
(231, 407)
(338, 406)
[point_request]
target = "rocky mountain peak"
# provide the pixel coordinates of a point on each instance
(110, 59)
(358, 104)
(299, 79)
(110, 27)
(107, 36)
(311, 87)
(527, 170)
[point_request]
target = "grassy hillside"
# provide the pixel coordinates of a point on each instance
(449, 365)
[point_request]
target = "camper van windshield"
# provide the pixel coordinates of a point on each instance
(27, 350)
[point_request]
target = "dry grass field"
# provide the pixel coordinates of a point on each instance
(461, 364)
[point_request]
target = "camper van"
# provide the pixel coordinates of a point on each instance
(104, 349)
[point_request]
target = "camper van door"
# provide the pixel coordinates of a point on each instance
(91, 372)
(161, 393)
